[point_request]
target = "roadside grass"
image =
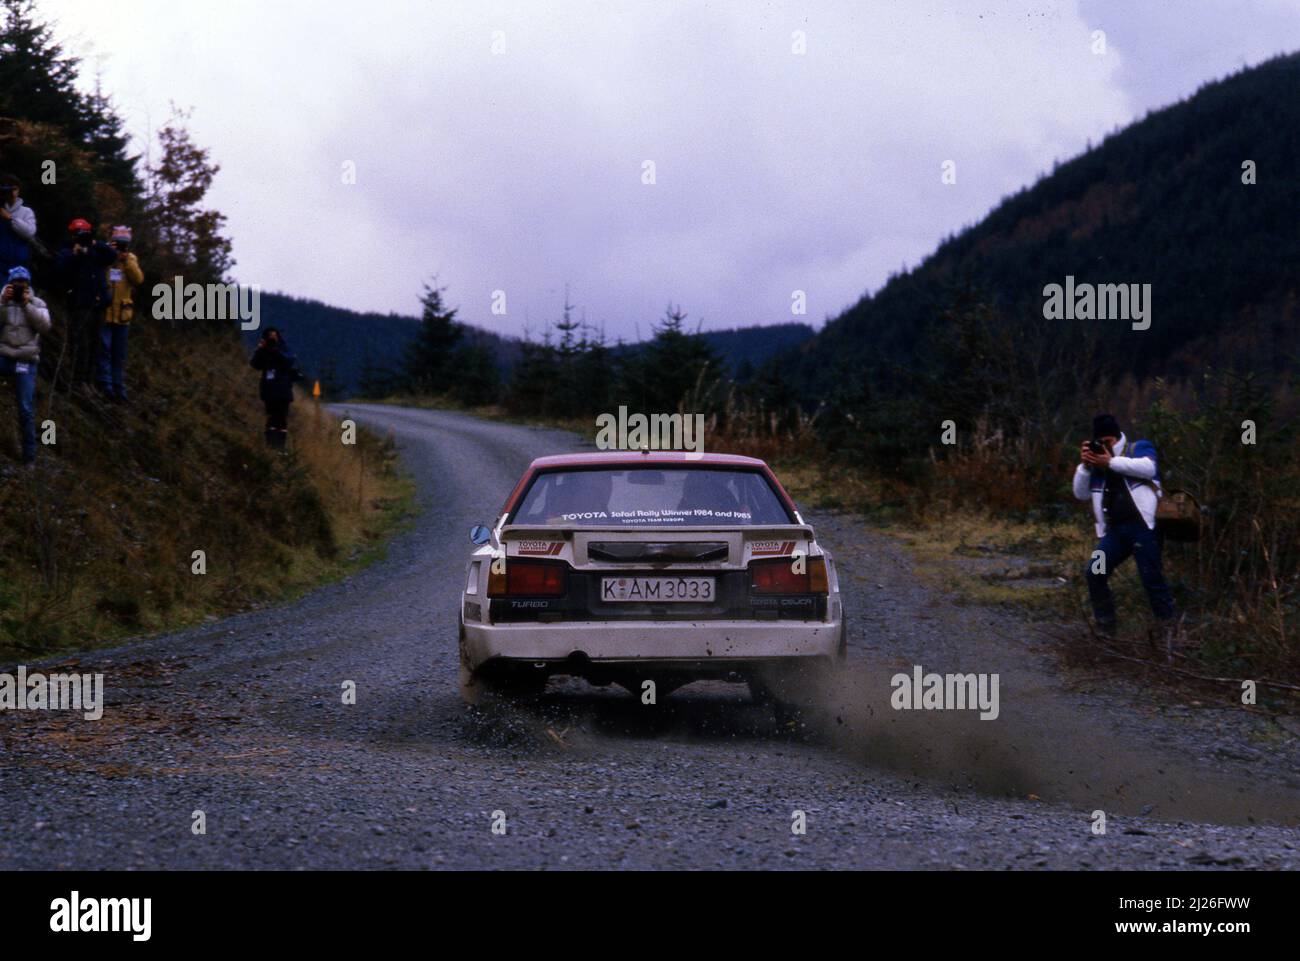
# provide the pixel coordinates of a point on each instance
(974, 557)
(98, 543)
(985, 560)
(1035, 571)
(1035, 568)
(367, 495)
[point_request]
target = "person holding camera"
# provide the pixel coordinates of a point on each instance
(124, 276)
(17, 226)
(25, 318)
(82, 264)
(279, 370)
(1124, 487)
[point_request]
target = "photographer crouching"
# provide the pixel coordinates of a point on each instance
(1124, 487)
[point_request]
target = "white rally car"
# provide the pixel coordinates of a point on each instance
(625, 567)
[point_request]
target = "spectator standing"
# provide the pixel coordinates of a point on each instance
(123, 277)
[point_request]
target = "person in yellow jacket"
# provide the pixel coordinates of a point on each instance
(124, 276)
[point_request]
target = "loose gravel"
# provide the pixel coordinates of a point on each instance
(244, 721)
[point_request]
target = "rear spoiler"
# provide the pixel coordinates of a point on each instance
(515, 532)
(762, 540)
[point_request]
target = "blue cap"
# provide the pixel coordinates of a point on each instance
(19, 273)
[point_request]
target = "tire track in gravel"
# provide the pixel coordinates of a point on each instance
(1060, 735)
(243, 720)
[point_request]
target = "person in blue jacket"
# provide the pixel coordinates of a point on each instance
(17, 226)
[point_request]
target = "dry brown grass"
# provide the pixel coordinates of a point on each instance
(97, 543)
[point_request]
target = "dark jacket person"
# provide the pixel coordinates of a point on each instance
(83, 267)
(279, 372)
(17, 226)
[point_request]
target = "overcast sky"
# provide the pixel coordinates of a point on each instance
(502, 146)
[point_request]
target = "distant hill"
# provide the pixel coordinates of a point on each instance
(749, 347)
(1161, 202)
(332, 342)
(336, 345)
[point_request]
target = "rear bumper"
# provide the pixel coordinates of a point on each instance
(660, 643)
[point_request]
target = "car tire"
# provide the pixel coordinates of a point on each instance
(788, 712)
(470, 690)
(514, 686)
(476, 687)
(792, 691)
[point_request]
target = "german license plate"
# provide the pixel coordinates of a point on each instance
(656, 589)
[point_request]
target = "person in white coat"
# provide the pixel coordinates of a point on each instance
(23, 318)
(1124, 487)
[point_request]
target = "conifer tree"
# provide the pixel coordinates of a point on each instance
(428, 364)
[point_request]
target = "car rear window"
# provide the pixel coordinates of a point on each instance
(655, 496)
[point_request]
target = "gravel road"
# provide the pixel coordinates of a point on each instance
(243, 720)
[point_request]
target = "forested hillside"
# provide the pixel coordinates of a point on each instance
(745, 349)
(1162, 202)
(952, 389)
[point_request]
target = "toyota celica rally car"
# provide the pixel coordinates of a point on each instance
(665, 566)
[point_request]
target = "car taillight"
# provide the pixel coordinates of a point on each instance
(496, 579)
(817, 581)
(527, 579)
(785, 575)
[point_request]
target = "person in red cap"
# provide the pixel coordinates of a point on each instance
(124, 276)
(82, 265)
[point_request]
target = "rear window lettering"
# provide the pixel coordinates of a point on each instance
(665, 497)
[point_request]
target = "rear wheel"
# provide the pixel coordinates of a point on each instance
(509, 686)
(794, 690)
(470, 691)
(505, 681)
(787, 711)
